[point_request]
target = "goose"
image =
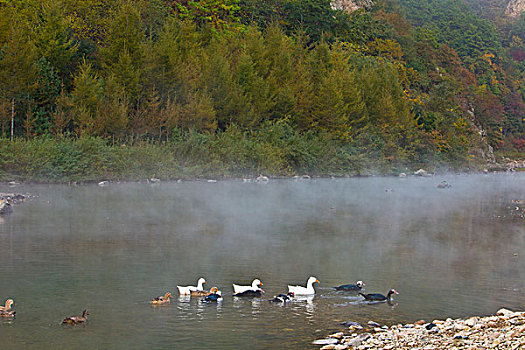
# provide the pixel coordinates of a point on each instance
(351, 287)
(187, 289)
(8, 304)
(161, 300)
(308, 290)
(255, 287)
(203, 293)
(379, 297)
(76, 319)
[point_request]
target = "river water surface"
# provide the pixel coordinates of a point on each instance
(449, 252)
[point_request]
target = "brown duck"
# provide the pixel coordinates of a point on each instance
(4, 313)
(8, 304)
(76, 319)
(203, 293)
(162, 299)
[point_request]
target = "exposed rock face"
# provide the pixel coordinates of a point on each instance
(352, 5)
(515, 8)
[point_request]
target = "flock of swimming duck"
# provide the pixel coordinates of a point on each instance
(215, 295)
(255, 290)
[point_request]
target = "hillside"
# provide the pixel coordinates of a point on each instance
(281, 86)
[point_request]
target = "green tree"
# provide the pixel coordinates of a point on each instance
(86, 97)
(53, 39)
(220, 14)
(17, 61)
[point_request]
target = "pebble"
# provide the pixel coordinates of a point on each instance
(471, 322)
(328, 347)
(503, 331)
(337, 335)
(325, 341)
(504, 312)
(430, 326)
(459, 327)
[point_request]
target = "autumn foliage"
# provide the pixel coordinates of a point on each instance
(401, 83)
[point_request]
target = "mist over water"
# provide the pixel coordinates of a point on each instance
(449, 252)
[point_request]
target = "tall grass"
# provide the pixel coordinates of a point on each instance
(276, 149)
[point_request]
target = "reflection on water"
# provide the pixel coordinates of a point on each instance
(449, 252)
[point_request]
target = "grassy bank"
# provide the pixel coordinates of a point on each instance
(275, 150)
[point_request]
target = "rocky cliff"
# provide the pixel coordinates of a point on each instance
(351, 5)
(515, 8)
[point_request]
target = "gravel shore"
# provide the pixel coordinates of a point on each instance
(505, 330)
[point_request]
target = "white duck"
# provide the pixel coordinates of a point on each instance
(300, 290)
(255, 287)
(188, 289)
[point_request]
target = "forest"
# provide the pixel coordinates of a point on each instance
(125, 89)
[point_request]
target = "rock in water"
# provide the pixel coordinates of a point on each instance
(444, 184)
(422, 172)
(262, 179)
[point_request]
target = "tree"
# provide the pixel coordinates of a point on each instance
(17, 60)
(89, 19)
(86, 98)
(47, 91)
(111, 118)
(220, 14)
(54, 41)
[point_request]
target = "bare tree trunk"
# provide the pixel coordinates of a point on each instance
(12, 118)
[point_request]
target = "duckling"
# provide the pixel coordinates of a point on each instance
(8, 304)
(76, 319)
(203, 293)
(161, 300)
(4, 313)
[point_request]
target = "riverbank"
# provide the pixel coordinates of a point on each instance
(277, 152)
(505, 330)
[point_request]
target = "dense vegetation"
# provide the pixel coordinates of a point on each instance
(123, 89)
